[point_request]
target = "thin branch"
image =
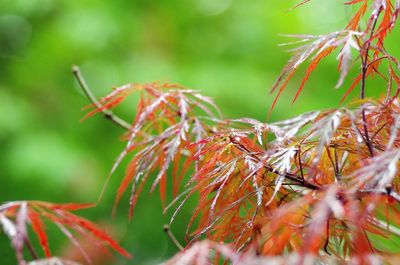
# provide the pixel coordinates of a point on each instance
(298, 181)
(327, 237)
(336, 163)
(388, 192)
(31, 250)
(369, 241)
(89, 94)
(171, 236)
(366, 134)
(388, 88)
(332, 162)
(377, 60)
(377, 131)
(245, 244)
(363, 80)
(300, 164)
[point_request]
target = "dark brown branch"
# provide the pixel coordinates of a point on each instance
(327, 237)
(338, 176)
(300, 164)
(293, 177)
(107, 113)
(363, 80)
(366, 134)
(31, 250)
(299, 181)
(171, 236)
(388, 192)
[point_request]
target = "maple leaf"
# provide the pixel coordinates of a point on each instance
(316, 48)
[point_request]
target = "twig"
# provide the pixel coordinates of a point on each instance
(168, 231)
(31, 250)
(107, 113)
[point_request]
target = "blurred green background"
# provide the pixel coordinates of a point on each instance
(228, 49)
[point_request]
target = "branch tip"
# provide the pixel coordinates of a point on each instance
(108, 114)
(172, 237)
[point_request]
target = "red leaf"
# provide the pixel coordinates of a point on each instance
(95, 231)
(71, 206)
(39, 229)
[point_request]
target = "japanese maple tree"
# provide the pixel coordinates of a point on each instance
(322, 187)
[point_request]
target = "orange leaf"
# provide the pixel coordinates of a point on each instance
(130, 173)
(312, 67)
(355, 83)
(355, 21)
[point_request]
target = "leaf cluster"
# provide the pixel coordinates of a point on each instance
(322, 184)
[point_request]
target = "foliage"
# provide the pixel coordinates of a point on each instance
(320, 187)
(323, 183)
